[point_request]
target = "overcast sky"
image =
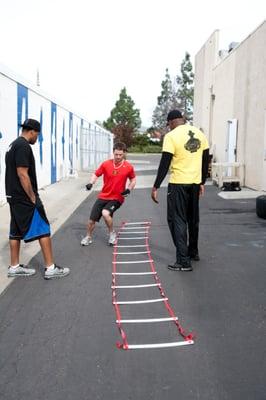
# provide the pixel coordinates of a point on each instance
(88, 50)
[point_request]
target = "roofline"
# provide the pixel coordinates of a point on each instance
(215, 31)
(240, 44)
(8, 73)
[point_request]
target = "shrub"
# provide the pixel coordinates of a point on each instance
(155, 148)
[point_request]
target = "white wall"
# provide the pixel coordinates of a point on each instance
(205, 61)
(238, 84)
(8, 123)
(223, 105)
(57, 151)
(250, 105)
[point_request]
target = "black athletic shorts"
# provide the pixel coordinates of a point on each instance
(28, 221)
(100, 204)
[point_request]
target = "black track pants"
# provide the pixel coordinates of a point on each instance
(183, 217)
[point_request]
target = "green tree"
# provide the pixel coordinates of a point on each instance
(177, 94)
(185, 87)
(124, 119)
(165, 102)
(98, 122)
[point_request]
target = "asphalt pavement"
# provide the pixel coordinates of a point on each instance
(58, 338)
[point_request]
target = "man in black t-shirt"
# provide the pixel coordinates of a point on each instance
(28, 217)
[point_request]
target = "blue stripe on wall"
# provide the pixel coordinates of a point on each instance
(77, 142)
(53, 142)
(71, 142)
(22, 105)
(40, 138)
(63, 140)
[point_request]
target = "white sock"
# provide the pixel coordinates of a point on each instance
(50, 267)
(14, 266)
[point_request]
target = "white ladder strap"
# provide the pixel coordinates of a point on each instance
(141, 301)
(133, 238)
(134, 273)
(133, 252)
(159, 345)
(132, 262)
(129, 233)
(136, 286)
(148, 320)
(132, 228)
(137, 223)
(131, 245)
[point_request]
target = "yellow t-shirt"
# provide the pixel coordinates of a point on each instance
(186, 143)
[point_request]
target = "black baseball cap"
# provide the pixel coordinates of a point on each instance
(174, 114)
(31, 124)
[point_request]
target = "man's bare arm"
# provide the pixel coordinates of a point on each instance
(26, 183)
(132, 184)
(93, 179)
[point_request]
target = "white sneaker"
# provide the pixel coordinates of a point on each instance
(56, 272)
(112, 238)
(86, 241)
(21, 270)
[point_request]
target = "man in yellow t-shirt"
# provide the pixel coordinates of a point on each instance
(186, 152)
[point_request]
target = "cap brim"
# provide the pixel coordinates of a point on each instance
(26, 126)
(29, 127)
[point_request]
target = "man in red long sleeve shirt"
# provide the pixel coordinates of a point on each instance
(116, 173)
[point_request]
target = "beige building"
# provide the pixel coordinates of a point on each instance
(230, 103)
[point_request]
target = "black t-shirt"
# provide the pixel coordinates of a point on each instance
(19, 154)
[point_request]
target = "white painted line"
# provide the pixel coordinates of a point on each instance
(159, 345)
(131, 245)
(141, 301)
(133, 238)
(138, 223)
(131, 262)
(136, 286)
(148, 320)
(134, 273)
(133, 252)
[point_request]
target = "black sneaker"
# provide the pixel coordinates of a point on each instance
(180, 267)
(195, 257)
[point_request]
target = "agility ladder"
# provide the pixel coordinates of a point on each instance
(141, 229)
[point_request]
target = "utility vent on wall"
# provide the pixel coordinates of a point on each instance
(222, 54)
(232, 45)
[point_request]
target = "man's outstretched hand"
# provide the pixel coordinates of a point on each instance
(125, 193)
(154, 195)
(89, 186)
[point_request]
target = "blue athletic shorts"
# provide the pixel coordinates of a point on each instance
(28, 221)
